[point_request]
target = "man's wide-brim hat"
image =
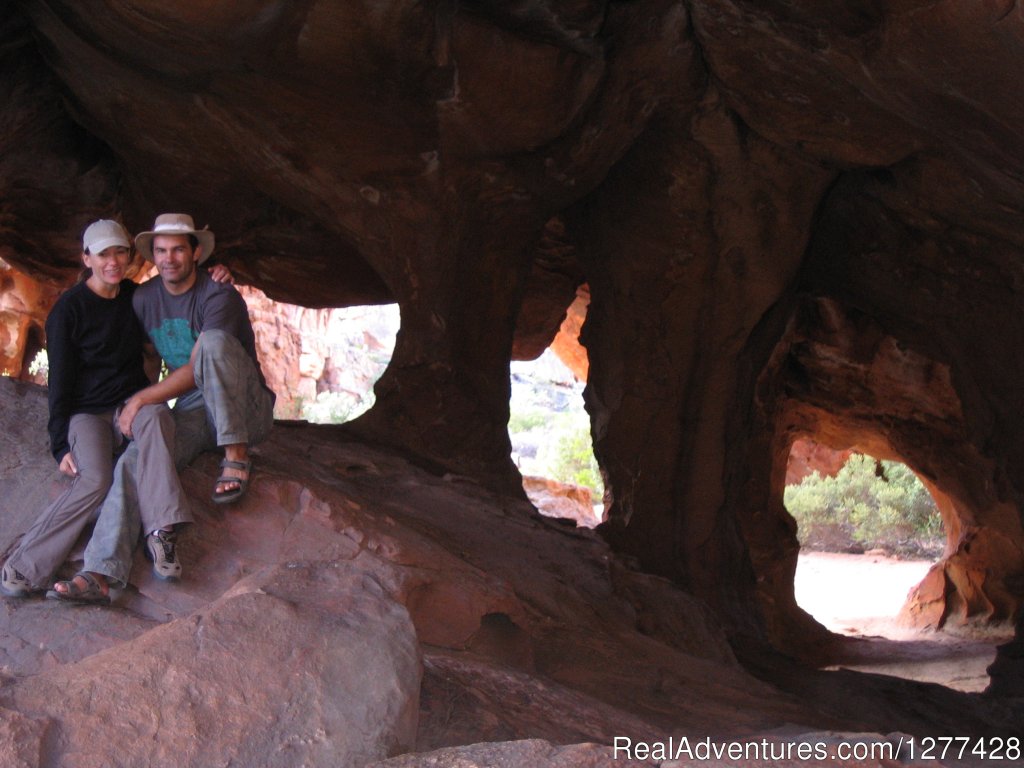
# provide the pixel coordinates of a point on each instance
(174, 224)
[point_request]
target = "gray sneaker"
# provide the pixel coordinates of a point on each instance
(14, 584)
(160, 547)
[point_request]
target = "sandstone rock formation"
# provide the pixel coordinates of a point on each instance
(307, 352)
(566, 343)
(24, 304)
(807, 456)
(561, 500)
(354, 607)
(690, 754)
(794, 219)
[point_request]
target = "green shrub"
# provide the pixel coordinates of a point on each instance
(525, 421)
(864, 507)
(566, 452)
(572, 460)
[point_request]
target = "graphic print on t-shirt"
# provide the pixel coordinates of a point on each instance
(174, 341)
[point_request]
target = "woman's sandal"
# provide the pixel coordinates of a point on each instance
(91, 594)
(226, 497)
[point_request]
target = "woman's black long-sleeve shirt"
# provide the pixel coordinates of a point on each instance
(94, 348)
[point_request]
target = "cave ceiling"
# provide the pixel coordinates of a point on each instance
(710, 169)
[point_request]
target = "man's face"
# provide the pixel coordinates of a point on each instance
(175, 259)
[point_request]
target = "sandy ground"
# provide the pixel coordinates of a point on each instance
(856, 594)
(860, 596)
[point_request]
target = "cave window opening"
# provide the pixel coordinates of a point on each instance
(37, 364)
(322, 363)
(549, 430)
(868, 530)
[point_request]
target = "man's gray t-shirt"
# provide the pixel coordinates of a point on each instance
(173, 323)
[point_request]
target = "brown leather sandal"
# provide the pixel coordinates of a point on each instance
(226, 497)
(91, 594)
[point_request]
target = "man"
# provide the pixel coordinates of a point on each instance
(201, 330)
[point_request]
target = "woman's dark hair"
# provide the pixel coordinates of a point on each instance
(85, 272)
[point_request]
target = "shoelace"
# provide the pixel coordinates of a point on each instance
(167, 543)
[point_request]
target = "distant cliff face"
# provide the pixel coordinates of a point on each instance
(309, 352)
(791, 218)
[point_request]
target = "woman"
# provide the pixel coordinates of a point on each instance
(94, 346)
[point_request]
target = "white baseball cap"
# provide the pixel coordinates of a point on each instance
(102, 234)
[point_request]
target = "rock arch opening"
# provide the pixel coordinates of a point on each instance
(869, 531)
(847, 380)
(549, 427)
(871, 541)
(549, 431)
(322, 363)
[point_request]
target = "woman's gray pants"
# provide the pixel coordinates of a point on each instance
(94, 439)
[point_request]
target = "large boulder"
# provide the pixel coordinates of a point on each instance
(310, 665)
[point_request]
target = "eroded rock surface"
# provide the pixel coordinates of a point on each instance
(354, 606)
(713, 171)
(24, 304)
(304, 665)
(765, 751)
(807, 456)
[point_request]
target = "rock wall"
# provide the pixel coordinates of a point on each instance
(24, 304)
(807, 456)
(715, 172)
(566, 343)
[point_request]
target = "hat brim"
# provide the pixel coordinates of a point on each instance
(144, 242)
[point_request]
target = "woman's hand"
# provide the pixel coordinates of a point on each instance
(68, 466)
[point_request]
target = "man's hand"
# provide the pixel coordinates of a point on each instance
(68, 466)
(127, 415)
(221, 274)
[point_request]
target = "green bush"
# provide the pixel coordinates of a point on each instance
(566, 453)
(572, 460)
(864, 507)
(527, 420)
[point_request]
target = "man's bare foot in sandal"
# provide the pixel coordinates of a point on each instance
(86, 588)
(235, 475)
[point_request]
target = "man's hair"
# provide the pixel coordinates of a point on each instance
(192, 239)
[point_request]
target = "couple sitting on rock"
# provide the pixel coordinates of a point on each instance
(100, 396)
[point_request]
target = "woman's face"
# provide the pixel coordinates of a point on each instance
(110, 265)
